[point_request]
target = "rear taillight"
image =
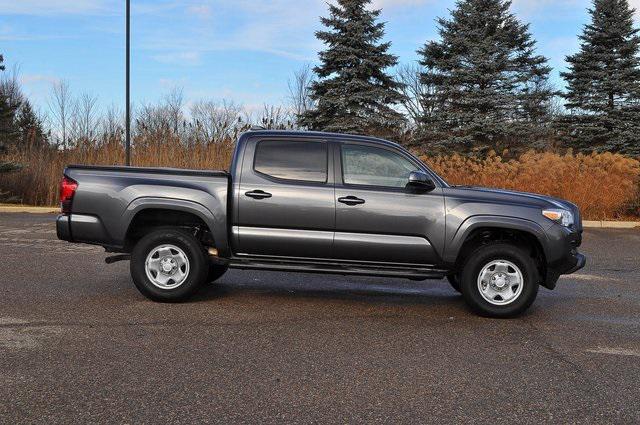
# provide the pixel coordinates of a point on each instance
(67, 190)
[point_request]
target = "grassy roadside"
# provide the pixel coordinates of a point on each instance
(605, 186)
(18, 208)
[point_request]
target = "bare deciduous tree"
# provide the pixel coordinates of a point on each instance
(112, 124)
(61, 106)
(275, 118)
(217, 122)
(174, 104)
(299, 92)
(153, 123)
(416, 94)
(85, 121)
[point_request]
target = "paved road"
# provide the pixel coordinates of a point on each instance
(79, 344)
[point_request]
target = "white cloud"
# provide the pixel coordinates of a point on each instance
(181, 58)
(38, 78)
(170, 83)
(279, 27)
(54, 7)
(282, 28)
(200, 10)
(9, 33)
(388, 4)
(528, 8)
(140, 7)
(37, 87)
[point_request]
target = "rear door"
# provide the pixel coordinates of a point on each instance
(286, 203)
(377, 218)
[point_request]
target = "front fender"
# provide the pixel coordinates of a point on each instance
(454, 244)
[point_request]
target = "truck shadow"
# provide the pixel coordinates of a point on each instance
(332, 287)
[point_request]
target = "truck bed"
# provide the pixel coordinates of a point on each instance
(151, 170)
(109, 198)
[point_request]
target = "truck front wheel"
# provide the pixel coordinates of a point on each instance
(499, 280)
(168, 265)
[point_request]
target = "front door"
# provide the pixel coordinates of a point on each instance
(377, 218)
(286, 203)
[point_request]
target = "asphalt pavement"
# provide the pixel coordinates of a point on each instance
(79, 344)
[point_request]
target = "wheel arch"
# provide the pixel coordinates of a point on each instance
(479, 230)
(145, 213)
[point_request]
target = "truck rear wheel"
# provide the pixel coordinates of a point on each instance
(168, 265)
(499, 280)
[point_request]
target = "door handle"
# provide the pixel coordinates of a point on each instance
(351, 200)
(258, 194)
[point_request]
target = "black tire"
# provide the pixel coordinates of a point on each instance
(215, 272)
(454, 281)
(196, 273)
(483, 256)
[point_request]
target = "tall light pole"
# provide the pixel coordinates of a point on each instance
(127, 131)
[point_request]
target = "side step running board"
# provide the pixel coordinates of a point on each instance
(346, 269)
(115, 258)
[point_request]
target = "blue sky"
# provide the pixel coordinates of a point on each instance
(240, 50)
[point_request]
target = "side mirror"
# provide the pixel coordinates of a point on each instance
(421, 181)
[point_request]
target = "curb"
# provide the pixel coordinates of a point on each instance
(602, 224)
(28, 209)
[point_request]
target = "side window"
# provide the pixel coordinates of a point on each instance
(371, 166)
(304, 161)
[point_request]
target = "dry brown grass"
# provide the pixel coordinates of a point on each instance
(37, 183)
(605, 186)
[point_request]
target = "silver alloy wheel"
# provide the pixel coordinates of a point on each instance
(500, 282)
(167, 266)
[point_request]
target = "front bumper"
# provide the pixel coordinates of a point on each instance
(581, 260)
(565, 258)
(570, 264)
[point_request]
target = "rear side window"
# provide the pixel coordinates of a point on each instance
(303, 161)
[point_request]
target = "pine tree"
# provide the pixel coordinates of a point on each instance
(7, 128)
(32, 134)
(354, 94)
(9, 131)
(490, 88)
(603, 81)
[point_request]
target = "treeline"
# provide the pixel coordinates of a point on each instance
(481, 86)
(20, 127)
(72, 121)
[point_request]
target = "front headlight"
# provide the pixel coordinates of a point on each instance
(560, 216)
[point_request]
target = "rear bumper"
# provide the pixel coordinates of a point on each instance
(81, 228)
(63, 227)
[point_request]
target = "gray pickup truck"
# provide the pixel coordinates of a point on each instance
(323, 203)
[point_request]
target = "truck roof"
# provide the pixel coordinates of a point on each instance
(322, 134)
